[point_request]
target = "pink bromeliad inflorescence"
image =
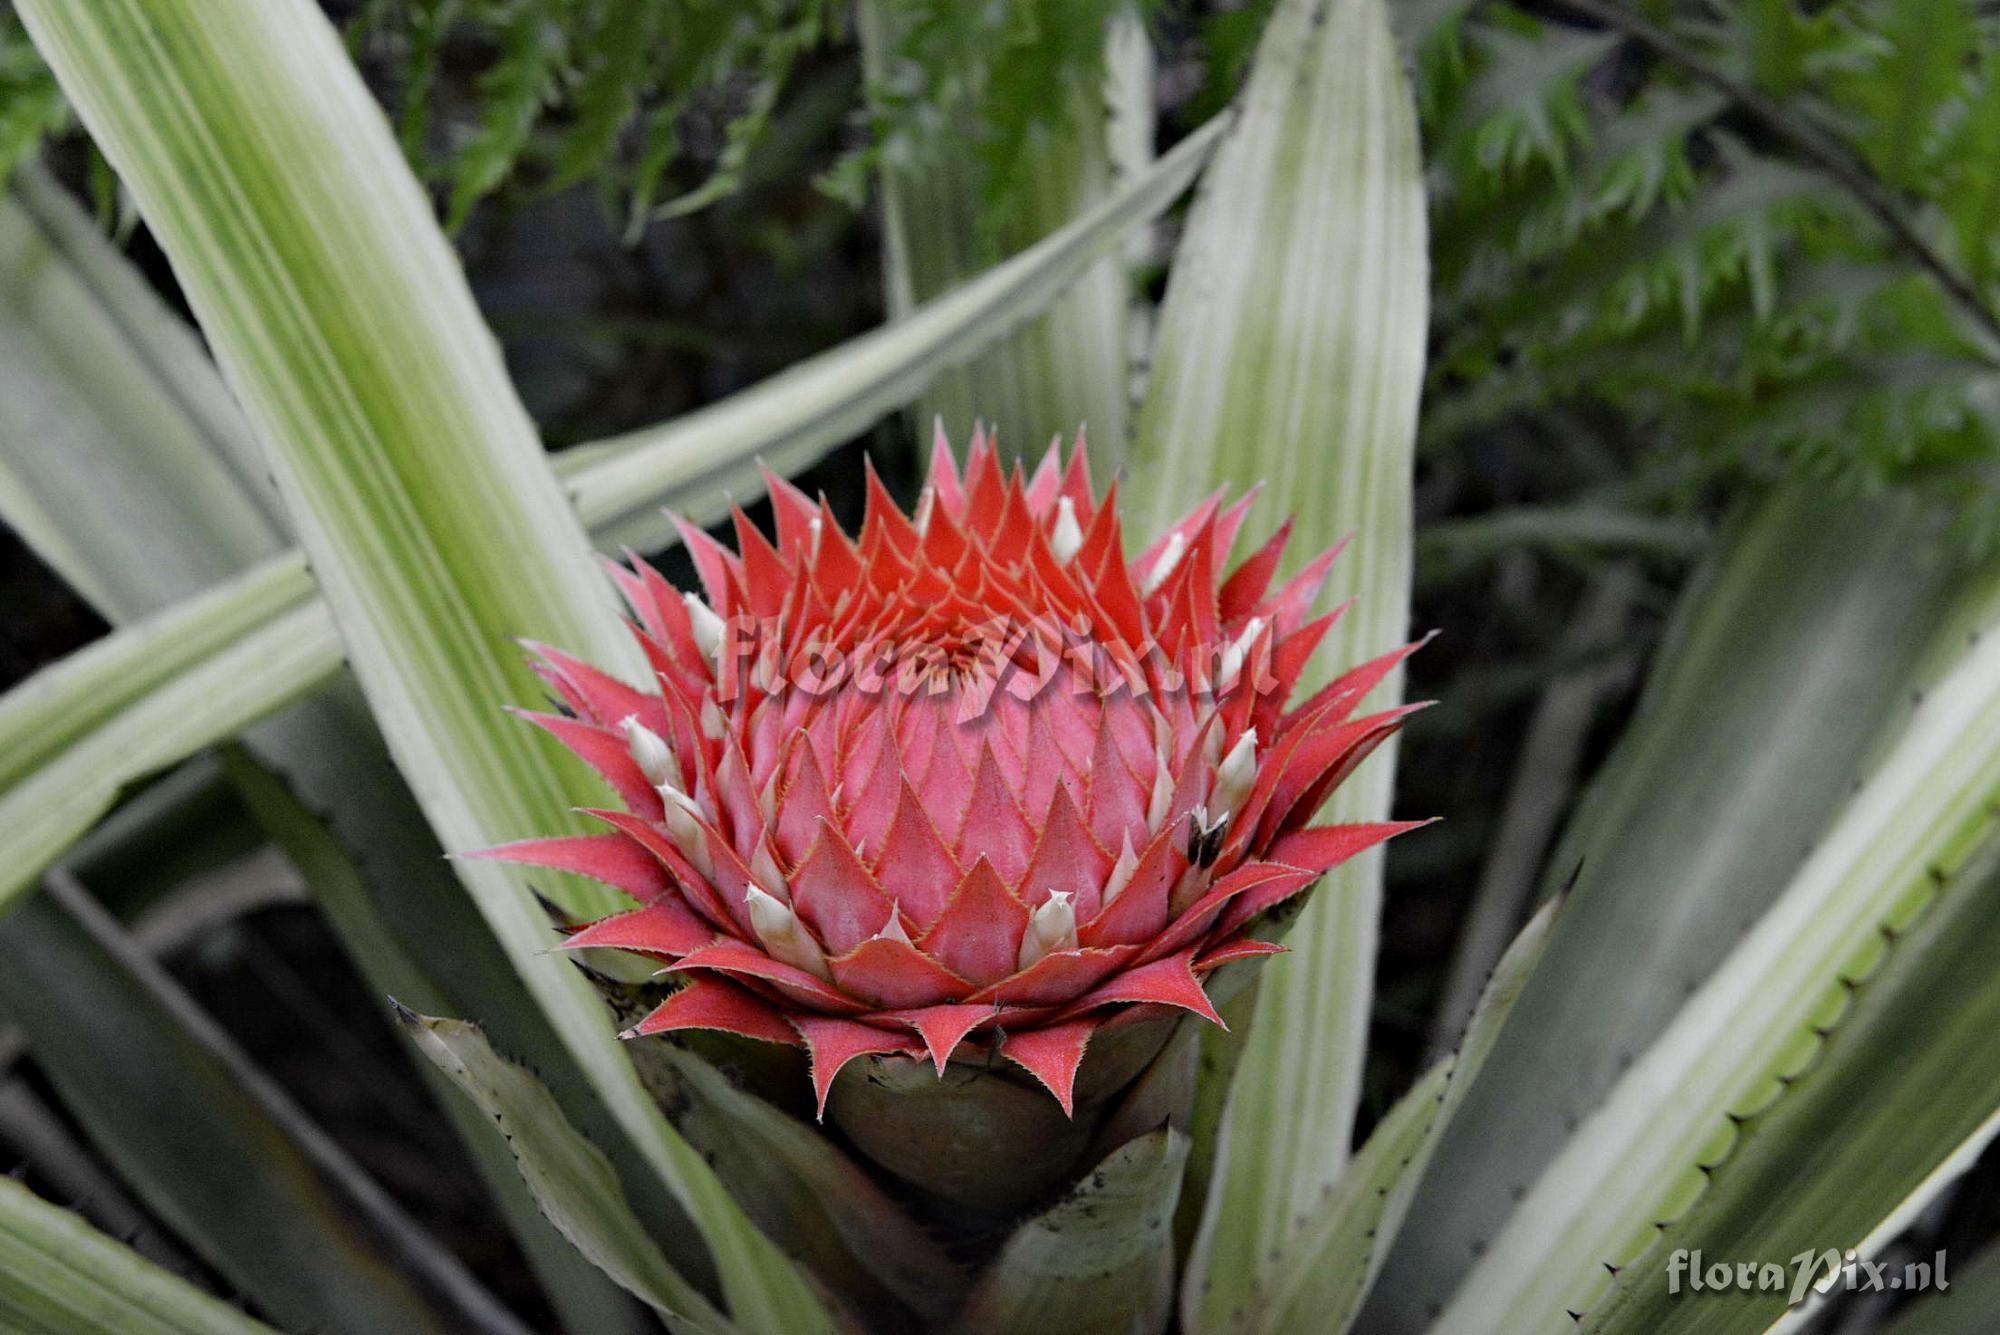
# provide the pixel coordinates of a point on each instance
(971, 778)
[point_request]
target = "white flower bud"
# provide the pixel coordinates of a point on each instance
(683, 822)
(706, 625)
(764, 867)
(892, 929)
(650, 752)
(1121, 871)
(1052, 927)
(778, 928)
(1169, 560)
(1067, 539)
(1236, 653)
(1163, 790)
(1235, 775)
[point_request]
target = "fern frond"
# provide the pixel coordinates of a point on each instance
(1665, 261)
(31, 106)
(533, 42)
(1523, 104)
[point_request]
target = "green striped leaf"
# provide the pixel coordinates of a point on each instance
(1291, 352)
(91, 358)
(409, 470)
(1332, 1258)
(799, 414)
(166, 1096)
(691, 462)
(61, 1276)
(1900, 1100)
(942, 225)
(1762, 710)
(1322, 1274)
(148, 696)
(578, 1292)
(52, 712)
(134, 449)
(1760, 1023)
(568, 1175)
(1098, 1262)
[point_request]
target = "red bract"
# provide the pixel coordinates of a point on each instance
(974, 775)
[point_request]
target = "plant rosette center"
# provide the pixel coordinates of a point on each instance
(967, 794)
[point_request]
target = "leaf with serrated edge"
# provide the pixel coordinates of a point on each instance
(1291, 353)
(409, 470)
(1896, 1104)
(582, 1297)
(165, 1094)
(1322, 1274)
(124, 443)
(1330, 1259)
(57, 1273)
(568, 1175)
(1922, 813)
(1763, 705)
(1099, 1261)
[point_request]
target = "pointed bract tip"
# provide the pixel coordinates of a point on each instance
(1052, 1055)
(557, 914)
(710, 861)
(892, 928)
(408, 1018)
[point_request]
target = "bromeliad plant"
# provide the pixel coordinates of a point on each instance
(977, 786)
(965, 833)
